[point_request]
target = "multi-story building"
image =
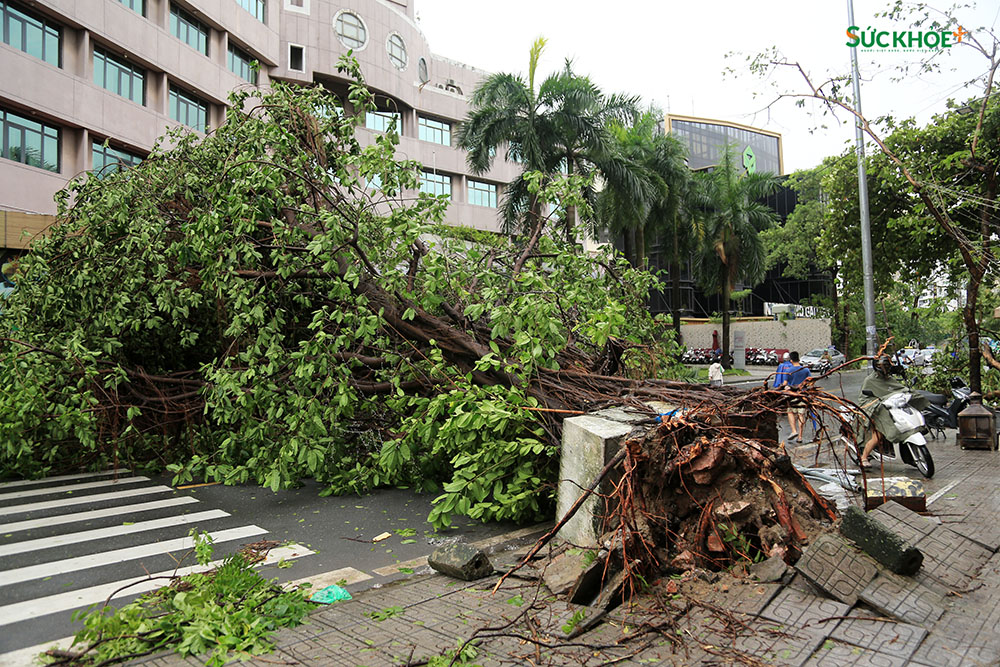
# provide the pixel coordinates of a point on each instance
(756, 150)
(91, 85)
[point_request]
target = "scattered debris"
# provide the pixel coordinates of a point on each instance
(330, 594)
(907, 492)
(461, 561)
(382, 536)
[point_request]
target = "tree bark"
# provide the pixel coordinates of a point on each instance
(725, 318)
(640, 246)
(675, 289)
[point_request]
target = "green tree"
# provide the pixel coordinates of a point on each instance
(735, 216)
(560, 126)
(242, 307)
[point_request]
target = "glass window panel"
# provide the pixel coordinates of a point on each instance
(255, 7)
(137, 6)
(29, 142)
(188, 109)
(351, 30)
(380, 120)
(188, 29)
(240, 64)
(435, 184)
(397, 51)
(31, 34)
(434, 131)
(107, 160)
(119, 76)
(482, 194)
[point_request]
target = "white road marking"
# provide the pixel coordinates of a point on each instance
(347, 575)
(111, 531)
(26, 656)
(54, 568)
(80, 500)
(59, 478)
(29, 609)
(940, 492)
(60, 519)
(70, 488)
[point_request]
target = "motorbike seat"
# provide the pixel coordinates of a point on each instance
(935, 399)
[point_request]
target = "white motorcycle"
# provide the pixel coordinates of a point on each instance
(905, 440)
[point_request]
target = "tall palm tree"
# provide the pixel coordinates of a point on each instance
(560, 125)
(660, 205)
(735, 215)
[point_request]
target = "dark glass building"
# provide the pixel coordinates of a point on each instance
(758, 150)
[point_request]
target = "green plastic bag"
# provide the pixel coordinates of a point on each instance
(330, 594)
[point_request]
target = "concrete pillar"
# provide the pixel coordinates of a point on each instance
(588, 443)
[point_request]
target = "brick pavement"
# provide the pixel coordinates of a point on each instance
(792, 624)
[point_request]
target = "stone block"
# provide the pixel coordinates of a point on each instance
(836, 568)
(611, 592)
(907, 492)
(564, 570)
(772, 569)
(880, 542)
(588, 443)
(461, 561)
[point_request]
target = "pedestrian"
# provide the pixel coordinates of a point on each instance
(796, 406)
(715, 374)
(781, 375)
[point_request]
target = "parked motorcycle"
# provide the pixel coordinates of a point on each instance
(896, 414)
(938, 414)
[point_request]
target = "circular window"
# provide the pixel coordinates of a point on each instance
(351, 30)
(396, 49)
(422, 72)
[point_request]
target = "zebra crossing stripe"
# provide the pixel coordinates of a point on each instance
(69, 501)
(60, 519)
(55, 568)
(59, 478)
(29, 609)
(71, 488)
(112, 531)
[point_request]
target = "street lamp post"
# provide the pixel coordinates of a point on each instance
(871, 341)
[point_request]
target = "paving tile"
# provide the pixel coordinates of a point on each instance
(904, 522)
(986, 535)
(796, 609)
(837, 568)
(747, 598)
(864, 630)
(836, 654)
(951, 558)
(941, 650)
(904, 598)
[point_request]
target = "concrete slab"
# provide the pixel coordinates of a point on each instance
(837, 568)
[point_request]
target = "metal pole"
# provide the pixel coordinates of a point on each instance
(871, 341)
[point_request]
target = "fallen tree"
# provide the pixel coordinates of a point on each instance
(265, 304)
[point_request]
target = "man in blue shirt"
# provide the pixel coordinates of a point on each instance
(781, 381)
(796, 407)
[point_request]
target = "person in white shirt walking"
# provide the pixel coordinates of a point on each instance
(715, 374)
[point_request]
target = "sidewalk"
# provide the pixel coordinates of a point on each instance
(787, 623)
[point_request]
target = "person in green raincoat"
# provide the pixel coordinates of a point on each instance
(877, 386)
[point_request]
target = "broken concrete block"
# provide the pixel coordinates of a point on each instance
(715, 543)
(880, 542)
(772, 569)
(461, 561)
(610, 595)
(588, 582)
(736, 510)
(683, 561)
(704, 466)
(907, 492)
(905, 599)
(562, 572)
(838, 569)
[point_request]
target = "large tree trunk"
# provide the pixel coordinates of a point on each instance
(628, 245)
(640, 246)
(838, 324)
(972, 327)
(725, 319)
(675, 289)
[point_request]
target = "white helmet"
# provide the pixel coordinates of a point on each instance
(784, 357)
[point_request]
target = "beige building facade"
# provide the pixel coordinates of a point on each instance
(91, 85)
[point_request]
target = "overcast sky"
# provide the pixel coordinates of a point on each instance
(674, 53)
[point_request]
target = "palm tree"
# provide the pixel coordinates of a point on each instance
(661, 204)
(735, 215)
(560, 125)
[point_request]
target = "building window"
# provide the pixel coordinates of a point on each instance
(188, 109)
(29, 142)
(255, 7)
(137, 6)
(374, 182)
(35, 36)
(188, 29)
(107, 160)
(297, 6)
(396, 49)
(422, 72)
(434, 131)
(240, 64)
(482, 194)
(296, 58)
(380, 120)
(435, 184)
(119, 76)
(351, 30)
